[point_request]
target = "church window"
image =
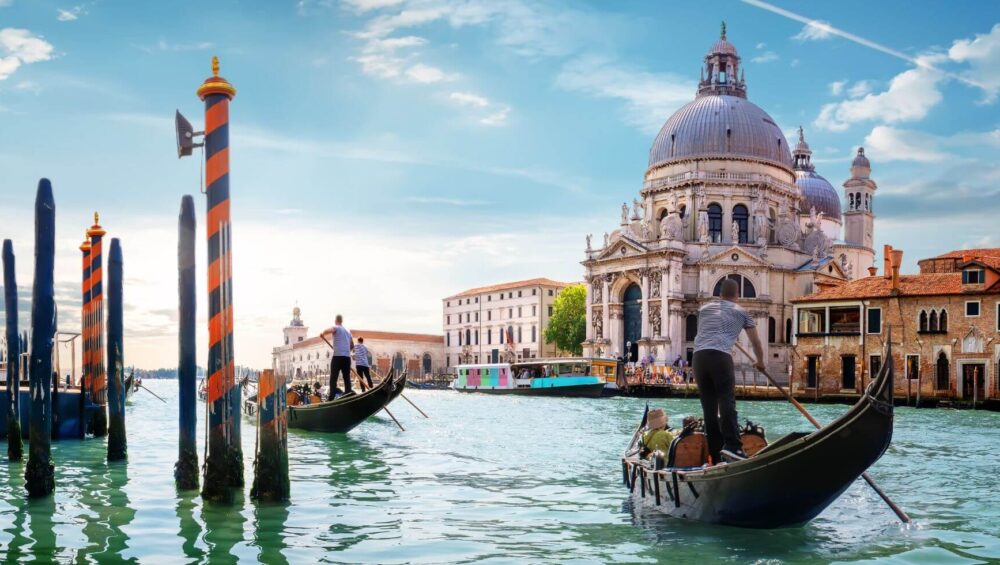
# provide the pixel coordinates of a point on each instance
(690, 327)
(460, 338)
(857, 200)
(943, 321)
(746, 287)
(772, 330)
(534, 310)
(477, 337)
(534, 292)
(850, 200)
(519, 340)
(519, 294)
(500, 333)
(715, 223)
(477, 316)
(972, 309)
(742, 218)
(932, 321)
(519, 314)
(489, 315)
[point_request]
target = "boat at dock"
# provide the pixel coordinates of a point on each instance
(70, 412)
(784, 484)
(537, 377)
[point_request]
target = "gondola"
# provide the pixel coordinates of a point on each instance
(132, 384)
(345, 413)
(785, 484)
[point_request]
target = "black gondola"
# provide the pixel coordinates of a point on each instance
(345, 413)
(787, 483)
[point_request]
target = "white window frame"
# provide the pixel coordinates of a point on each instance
(978, 302)
(880, 324)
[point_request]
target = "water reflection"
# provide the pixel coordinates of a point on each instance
(270, 536)
(223, 528)
(360, 483)
(41, 534)
(109, 509)
(190, 528)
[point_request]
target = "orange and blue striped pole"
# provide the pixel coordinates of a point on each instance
(224, 464)
(98, 376)
(85, 337)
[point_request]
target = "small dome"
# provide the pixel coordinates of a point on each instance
(860, 160)
(296, 312)
(819, 193)
(722, 46)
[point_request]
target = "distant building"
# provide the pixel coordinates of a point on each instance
(478, 321)
(945, 325)
(725, 196)
(301, 356)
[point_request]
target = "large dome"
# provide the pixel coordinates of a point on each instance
(721, 122)
(817, 192)
(721, 126)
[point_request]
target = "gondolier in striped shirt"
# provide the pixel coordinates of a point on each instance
(362, 361)
(343, 343)
(719, 325)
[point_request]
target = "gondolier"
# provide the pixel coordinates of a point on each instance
(719, 325)
(343, 343)
(362, 361)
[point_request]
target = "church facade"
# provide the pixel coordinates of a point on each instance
(724, 196)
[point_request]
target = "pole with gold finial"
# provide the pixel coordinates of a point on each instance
(85, 329)
(98, 376)
(224, 463)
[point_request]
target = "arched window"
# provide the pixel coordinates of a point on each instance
(850, 200)
(428, 363)
(746, 287)
(923, 321)
(857, 200)
(715, 223)
(932, 322)
(941, 382)
(788, 330)
(397, 362)
(943, 321)
(742, 218)
(690, 327)
(772, 330)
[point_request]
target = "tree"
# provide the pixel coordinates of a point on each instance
(568, 325)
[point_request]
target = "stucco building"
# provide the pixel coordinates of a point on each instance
(724, 196)
(305, 357)
(945, 324)
(501, 321)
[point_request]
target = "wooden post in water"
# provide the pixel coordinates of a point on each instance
(14, 446)
(98, 377)
(270, 468)
(40, 473)
(224, 465)
(186, 468)
(117, 444)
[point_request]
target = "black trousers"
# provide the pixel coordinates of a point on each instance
(365, 372)
(340, 365)
(713, 371)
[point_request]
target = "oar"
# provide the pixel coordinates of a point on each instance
(871, 482)
(153, 393)
(414, 405)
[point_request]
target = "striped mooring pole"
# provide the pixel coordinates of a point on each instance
(85, 328)
(40, 473)
(270, 467)
(117, 444)
(186, 468)
(98, 375)
(224, 463)
(14, 446)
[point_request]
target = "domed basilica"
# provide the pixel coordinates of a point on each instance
(724, 196)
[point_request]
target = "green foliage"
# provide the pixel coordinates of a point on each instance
(568, 325)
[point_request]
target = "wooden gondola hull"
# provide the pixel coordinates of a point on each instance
(344, 414)
(595, 390)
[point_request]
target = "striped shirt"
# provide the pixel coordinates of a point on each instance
(719, 324)
(361, 358)
(341, 342)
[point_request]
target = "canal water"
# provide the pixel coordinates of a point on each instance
(492, 479)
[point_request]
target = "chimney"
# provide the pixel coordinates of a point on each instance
(886, 261)
(897, 260)
(872, 271)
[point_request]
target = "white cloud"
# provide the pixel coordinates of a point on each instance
(167, 46)
(761, 45)
(860, 88)
(460, 202)
(72, 14)
(368, 5)
(886, 143)
(498, 118)
(982, 54)
(814, 30)
(21, 47)
(496, 113)
(391, 44)
(469, 99)
(766, 57)
(380, 66)
(837, 87)
(649, 98)
(426, 74)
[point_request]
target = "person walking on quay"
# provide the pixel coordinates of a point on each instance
(343, 343)
(719, 325)
(363, 361)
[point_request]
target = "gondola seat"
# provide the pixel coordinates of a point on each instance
(753, 443)
(688, 450)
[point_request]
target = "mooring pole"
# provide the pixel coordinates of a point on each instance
(40, 473)
(85, 336)
(186, 468)
(14, 446)
(117, 444)
(224, 465)
(270, 468)
(98, 377)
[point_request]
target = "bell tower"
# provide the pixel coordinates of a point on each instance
(296, 330)
(859, 192)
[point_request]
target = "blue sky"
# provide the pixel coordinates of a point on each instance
(388, 153)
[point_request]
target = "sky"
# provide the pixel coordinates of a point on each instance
(386, 154)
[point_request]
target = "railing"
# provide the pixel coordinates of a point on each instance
(708, 175)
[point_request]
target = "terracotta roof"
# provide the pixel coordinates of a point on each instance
(959, 253)
(932, 284)
(509, 286)
(374, 334)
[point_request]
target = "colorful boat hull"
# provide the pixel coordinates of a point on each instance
(499, 378)
(66, 413)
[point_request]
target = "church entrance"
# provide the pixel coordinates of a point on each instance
(632, 321)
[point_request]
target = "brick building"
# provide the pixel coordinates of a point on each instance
(945, 325)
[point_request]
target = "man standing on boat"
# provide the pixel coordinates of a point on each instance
(343, 343)
(362, 361)
(719, 325)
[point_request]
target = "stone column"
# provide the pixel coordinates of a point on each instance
(606, 310)
(645, 332)
(589, 332)
(665, 300)
(727, 220)
(691, 212)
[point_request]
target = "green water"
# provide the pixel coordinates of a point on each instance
(492, 479)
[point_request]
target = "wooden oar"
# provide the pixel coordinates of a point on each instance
(414, 405)
(903, 517)
(153, 393)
